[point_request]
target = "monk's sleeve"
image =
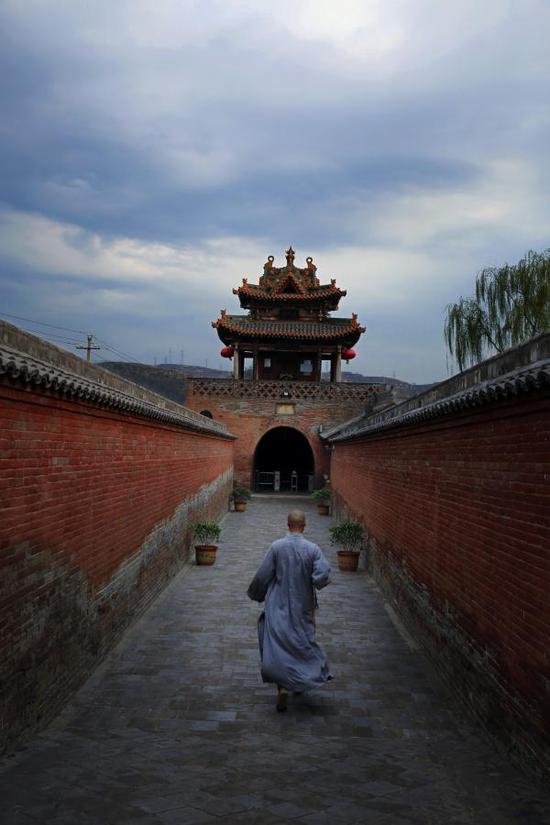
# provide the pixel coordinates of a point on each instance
(321, 570)
(259, 585)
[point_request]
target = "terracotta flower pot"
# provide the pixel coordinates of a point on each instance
(323, 509)
(348, 560)
(205, 553)
(240, 506)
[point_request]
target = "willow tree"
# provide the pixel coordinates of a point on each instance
(511, 305)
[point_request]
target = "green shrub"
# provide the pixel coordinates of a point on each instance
(241, 493)
(348, 534)
(321, 496)
(206, 532)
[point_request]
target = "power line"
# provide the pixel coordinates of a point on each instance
(121, 354)
(114, 356)
(65, 340)
(62, 339)
(50, 336)
(118, 352)
(43, 324)
(117, 355)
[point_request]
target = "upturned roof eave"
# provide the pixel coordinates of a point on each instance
(347, 336)
(260, 294)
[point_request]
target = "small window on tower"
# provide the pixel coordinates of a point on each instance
(306, 367)
(267, 363)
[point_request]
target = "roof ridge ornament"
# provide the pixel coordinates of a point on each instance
(290, 255)
(289, 278)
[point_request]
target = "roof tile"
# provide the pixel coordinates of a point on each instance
(314, 294)
(330, 328)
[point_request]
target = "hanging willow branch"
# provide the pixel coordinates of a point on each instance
(511, 305)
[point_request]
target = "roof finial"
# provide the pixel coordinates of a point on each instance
(290, 254)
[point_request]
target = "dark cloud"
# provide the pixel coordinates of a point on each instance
(67, 161)
(423, 131)
(115, 190)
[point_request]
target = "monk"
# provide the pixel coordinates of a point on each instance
(292, 570)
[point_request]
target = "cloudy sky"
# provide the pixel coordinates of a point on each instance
(153, 153)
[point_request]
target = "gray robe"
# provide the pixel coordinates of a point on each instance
(286, 579)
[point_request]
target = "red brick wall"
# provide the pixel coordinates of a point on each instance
(95, 514)
(458, 514)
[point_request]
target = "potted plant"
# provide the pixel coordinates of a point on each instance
(206, 533)
(349, 535)
(322, 499)
(241, 495)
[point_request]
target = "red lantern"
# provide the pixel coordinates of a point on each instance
(348, 354)
(227, 352)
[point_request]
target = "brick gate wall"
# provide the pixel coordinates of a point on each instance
(100, 482)
(455, 494)
(249, 410)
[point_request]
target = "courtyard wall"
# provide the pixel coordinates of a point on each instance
(100, 481)
(454, 490)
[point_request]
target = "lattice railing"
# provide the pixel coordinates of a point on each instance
(294, 390)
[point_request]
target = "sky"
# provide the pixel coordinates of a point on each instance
(154, 153)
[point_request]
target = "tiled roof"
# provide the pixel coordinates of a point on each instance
(521, 381)
(313, 294)
(277, 277)
(330, 329)
(23, 369)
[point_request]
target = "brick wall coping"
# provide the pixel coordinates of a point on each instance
(284, 390)
(518, 371)
(38, 363)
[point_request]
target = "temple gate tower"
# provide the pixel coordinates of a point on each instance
(288, 332)
(279, 398)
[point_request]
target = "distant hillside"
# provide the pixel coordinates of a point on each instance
(196, 372)
(169, 380)
(166, 382)
(358, 378)
(400, 390)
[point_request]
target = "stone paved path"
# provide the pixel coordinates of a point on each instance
(176, 728)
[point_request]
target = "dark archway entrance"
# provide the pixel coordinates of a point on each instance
(283, 461)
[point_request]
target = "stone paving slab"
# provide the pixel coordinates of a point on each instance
(176, 727)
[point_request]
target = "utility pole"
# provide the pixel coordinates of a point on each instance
(182, 360)
(89, 347)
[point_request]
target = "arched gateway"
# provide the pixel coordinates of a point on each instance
(287, 352)
(283, 460)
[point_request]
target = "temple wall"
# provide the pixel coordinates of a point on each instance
(100, 482)
(454, 490)
(249, 418)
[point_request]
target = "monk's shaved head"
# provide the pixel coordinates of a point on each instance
(296, 520)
